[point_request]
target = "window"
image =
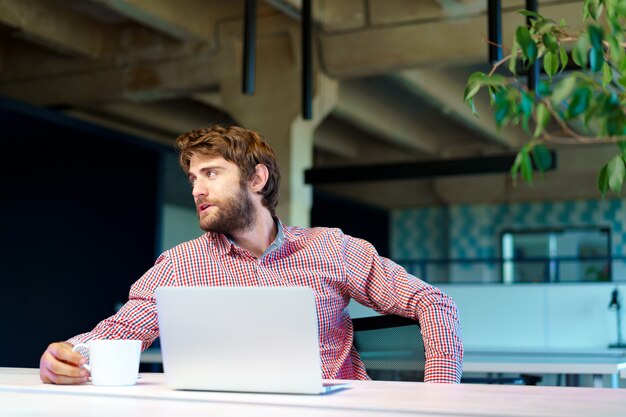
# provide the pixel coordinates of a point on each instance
(571, 254)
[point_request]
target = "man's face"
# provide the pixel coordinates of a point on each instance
(223, 204)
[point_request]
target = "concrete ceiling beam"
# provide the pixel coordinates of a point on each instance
(120, 126)
(56, 28)
(184, 20)
(445, 91)
(172, 118)
(383, 117)
(332, 15)
(402, 43)
(138, 82)
(336, 138)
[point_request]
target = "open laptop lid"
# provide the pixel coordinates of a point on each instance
(247, 339)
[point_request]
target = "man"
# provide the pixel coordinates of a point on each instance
(235, 183)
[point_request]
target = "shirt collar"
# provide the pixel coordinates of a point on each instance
(278, 241)
(225, 244)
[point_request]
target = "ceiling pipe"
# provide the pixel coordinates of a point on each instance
(418, 170)
(307, 53)
(494, 26)
(249, 47)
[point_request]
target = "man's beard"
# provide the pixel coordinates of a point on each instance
(234, 213)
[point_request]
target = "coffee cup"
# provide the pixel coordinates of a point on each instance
(111, 362)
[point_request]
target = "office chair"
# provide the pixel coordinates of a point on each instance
(391, 347)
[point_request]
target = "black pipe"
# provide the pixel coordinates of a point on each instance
(249, 47)
(417, 170)
(533, 71)
(307, 72)
(494, 22)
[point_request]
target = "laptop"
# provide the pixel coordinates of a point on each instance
(244, 339)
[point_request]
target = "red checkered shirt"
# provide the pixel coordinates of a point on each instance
(335, 266)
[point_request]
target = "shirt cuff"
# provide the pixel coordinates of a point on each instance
(443, 370)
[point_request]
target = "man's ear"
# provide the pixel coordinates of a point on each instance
(259, 178)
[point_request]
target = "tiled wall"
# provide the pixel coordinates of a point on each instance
(473, 231)
(421, 233)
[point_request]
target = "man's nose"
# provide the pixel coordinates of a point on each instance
(199, 191)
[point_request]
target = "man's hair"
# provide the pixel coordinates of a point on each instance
(243, 147)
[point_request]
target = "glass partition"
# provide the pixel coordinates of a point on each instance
(570, 254)
(551, 255)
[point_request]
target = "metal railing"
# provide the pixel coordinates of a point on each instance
(517, 270)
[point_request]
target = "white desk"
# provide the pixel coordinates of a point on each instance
(595, 363)
(548, 364)
(22, 394)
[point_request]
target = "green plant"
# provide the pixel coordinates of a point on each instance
(587, 104)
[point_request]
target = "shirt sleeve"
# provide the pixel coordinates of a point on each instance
(386, 287)
(137, 319)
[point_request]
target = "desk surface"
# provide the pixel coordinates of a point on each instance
(505, 362)
(21, 393)
(546, 364)
(558, 352)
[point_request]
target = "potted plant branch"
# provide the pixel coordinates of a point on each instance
(581, 106)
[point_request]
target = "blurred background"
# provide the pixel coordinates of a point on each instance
(93, 93)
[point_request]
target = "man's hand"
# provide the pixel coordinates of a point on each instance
(59, 365)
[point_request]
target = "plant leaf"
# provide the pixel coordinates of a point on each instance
(580, 53)
(550, 63)
(522, 164)
(579, 102)
(564, 58)
(596, 59)
(607, 74)
(591, 9)
(526, 108)
(470, 102)
(503, 114)
(616, 50)
(621, 67)
(528, 13)
(527, 166)
(543, 26)
(620, 8)
(550, 42)
(476, 76)
(562, 90)
(495, 80)
(615, 171)
(543, 117)
(596, 36)
(542, 157)
(470, 91)
(516, 167)
(522, 37)
(526, 43)
(603, 181)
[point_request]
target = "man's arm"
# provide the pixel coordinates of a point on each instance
(137, 319)
(386, 287)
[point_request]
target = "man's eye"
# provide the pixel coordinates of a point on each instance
(211, 174)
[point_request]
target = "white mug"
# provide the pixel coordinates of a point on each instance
(112, 362)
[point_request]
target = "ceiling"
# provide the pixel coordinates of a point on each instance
(156, 68)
